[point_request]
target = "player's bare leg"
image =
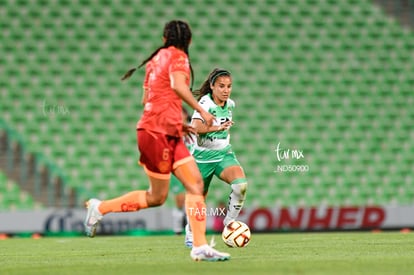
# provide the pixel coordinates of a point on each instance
(189, 175)
(129, 202)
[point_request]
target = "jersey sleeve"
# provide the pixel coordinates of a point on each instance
(180, 63)
(204, 104)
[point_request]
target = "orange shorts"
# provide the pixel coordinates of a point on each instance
(161, 154)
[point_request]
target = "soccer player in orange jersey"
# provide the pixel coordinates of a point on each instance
(159, 135)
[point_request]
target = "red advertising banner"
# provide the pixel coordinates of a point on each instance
(330, 218)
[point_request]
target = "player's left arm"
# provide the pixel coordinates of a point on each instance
(144, 95)
(145, 86)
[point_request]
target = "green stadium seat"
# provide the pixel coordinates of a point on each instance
(331, 77)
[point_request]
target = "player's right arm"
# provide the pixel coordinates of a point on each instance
(202, 128)
(180, 87)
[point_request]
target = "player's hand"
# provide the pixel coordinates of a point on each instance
(188, 129)
(208, 118)
(226, 125)
(189, 133)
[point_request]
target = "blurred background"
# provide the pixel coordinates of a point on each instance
(333, 80)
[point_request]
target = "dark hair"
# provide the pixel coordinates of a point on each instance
(212, 77)
(176, 33)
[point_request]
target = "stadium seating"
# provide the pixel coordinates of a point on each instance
(12, 197)
(333, 79)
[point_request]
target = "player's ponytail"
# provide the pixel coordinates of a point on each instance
(131, 71)
(176, 33)
(128, 73)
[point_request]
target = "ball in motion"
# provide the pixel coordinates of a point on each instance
(236, 234)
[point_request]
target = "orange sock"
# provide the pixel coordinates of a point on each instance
(196, 213)
(132, 201)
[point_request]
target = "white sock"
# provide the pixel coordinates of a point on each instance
(178, 220)
(236, 201)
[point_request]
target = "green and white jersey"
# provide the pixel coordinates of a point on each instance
(212, 146)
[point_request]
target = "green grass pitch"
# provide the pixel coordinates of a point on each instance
(287, 253)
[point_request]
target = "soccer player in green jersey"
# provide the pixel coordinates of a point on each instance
(212, 150)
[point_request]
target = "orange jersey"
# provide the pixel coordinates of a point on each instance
(163, 107)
